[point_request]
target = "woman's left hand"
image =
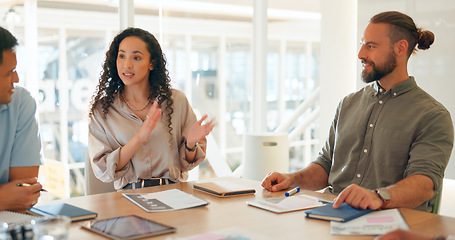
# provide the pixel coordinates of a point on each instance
(198, 131)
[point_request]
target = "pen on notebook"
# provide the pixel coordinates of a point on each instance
(325, 201)
(28, 185)
(292, 192)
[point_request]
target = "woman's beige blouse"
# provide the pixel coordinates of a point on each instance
(162, 156)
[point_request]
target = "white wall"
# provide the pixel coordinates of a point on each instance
(338, 57)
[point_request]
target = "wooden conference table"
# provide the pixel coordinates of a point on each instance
(224, 213)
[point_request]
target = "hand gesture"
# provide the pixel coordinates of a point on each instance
(199, 131)
(149, 124)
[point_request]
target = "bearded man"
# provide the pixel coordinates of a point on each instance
(390, 142)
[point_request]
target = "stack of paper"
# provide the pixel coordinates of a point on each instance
(375, 223)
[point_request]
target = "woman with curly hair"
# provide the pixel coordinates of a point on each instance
(141, 132)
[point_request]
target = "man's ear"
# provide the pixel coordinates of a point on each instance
(401, 48)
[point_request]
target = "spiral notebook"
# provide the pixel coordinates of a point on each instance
(16, 218)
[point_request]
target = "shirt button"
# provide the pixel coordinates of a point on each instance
(365, 150)
(358, 175)
(380, 101)
(371, 125)
(394, 94)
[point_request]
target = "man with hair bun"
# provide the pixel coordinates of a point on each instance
(389, 142)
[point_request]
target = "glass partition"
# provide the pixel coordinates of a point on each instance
(209, 57)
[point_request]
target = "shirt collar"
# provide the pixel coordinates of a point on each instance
(404, 87)
(3, 107)
(378, 90)
(398, 89)
(120, 104)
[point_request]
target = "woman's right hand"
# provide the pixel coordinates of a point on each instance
(149, 124)
(141, 137)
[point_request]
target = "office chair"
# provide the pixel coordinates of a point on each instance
(437, 203)
(92, 184)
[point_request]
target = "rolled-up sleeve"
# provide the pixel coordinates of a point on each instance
(103, 158)
(186, 119)
(430, 152)
(198, 159)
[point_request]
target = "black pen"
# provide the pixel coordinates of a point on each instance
(28, 185)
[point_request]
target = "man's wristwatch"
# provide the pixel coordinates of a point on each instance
(384, 195)
(191, 149)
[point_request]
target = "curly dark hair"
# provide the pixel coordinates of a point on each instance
(111, 84)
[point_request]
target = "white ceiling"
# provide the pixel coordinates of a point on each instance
(232, 10)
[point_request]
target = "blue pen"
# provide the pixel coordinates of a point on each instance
(292, 192)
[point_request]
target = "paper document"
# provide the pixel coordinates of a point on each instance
(168, 200)
(375, 223)
(287, 204)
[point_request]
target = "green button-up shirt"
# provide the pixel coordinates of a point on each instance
(379, 137)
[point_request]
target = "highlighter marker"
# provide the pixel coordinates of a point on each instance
(292, 192)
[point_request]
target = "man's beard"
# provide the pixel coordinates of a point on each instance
(380, 71)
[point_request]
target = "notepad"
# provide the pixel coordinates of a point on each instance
(222, 188)
(287, 204)
(168, 200)
(344, 213)
(75, 213)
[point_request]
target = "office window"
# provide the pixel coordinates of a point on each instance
(209, 57)
(63, 105)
